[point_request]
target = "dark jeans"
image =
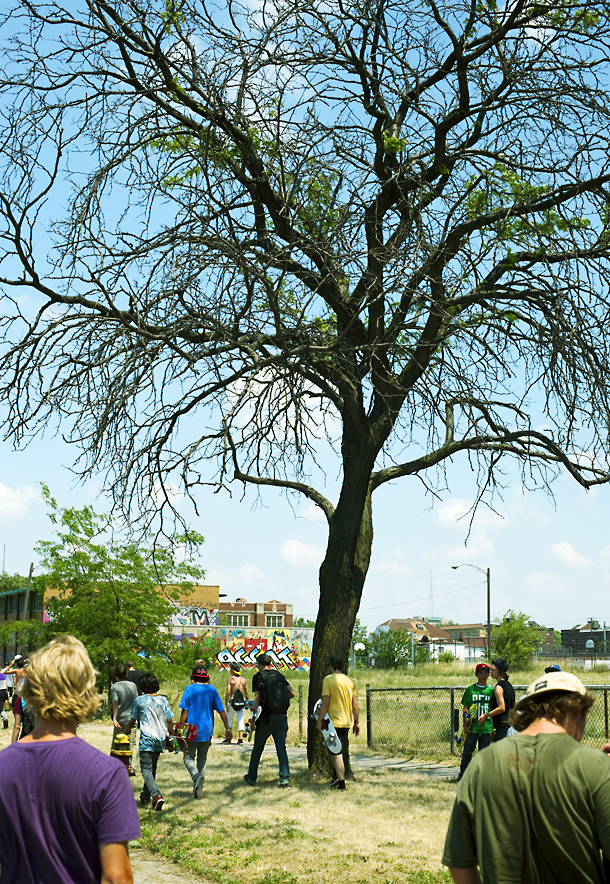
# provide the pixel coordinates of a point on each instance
(276, 727)
(148, 766)
(500, 733)
(470, 744)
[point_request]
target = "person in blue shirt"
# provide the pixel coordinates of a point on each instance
(199, 702)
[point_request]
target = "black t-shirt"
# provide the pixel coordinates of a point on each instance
(134, 675)
(509, 701)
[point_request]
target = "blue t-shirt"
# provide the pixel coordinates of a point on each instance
(152, 712)
(200, 701)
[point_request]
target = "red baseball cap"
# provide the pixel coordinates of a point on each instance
(482, 666)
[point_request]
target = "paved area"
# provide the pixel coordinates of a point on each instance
(359, 762)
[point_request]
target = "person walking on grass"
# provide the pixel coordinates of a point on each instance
(272, 694)
(502, 701)
(122, 696)
(236, 697)
(154, 717)
(340, 701)
(199, 702)
(535, 809)
(476, 732)
(67, 811)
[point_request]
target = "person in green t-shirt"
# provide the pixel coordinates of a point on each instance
(535, 808)
(480, 695)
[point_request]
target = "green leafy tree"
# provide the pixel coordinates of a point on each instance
(303, 623)
(384, 225)
(360, 633)
(515, 640)
(114, 596)
(392, 649)
(19, 633)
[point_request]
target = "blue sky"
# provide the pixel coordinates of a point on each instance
(552, 563)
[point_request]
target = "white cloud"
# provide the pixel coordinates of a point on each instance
(568, 555)
(393, 565)
(14, 501)
(248, 581)
(303, 555)
(479, 551)
(457, 513)
(314, 513)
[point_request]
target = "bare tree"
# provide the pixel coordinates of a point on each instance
(380, 224)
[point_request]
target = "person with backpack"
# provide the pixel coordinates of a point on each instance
(272, 694)
(236, 697)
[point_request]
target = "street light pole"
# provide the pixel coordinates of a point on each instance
(488, 576)
(489, 612)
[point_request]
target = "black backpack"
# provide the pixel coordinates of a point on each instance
(28, 720)
(237, 701)
(275, 693)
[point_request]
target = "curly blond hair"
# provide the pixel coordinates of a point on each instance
(60, 681)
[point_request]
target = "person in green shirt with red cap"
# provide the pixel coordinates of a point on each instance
(479, 694)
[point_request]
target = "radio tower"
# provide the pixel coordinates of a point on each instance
(431, 590)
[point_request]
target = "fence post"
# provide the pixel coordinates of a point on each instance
(606, 709)
(369, 722)
(300, 713)
(452, 693)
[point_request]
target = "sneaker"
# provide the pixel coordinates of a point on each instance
(144, 802)
(248, 781)
(198, 787)
(240, 742)
(284, 786)
(340, 785)
(157, 802)
(334, 780)
(227, 739)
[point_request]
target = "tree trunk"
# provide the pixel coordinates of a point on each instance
(342, 576)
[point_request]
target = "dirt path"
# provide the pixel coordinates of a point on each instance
(148, 868)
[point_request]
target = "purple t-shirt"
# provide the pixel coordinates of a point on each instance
(61, 800)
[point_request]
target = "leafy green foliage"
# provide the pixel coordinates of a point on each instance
(113, 596)
(360, 633)
(392, 649)
(500, 188)
(515, 640)
(23, 632)
(303, 623)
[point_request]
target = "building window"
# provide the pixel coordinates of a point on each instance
(275, 620)
(12, 604)
(238, 620)
(37, 601)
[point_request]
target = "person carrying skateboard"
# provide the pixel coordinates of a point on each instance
(236, 697)
(476, 702)
(199, 702)
(273, 694)
(340, 701)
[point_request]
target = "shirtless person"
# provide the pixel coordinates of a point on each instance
(236, 683)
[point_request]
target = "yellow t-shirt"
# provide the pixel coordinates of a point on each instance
(340, 688)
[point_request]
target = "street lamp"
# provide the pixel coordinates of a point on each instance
(488, 575)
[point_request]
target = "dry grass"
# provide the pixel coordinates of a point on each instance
(387, 827)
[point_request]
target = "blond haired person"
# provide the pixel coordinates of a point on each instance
(70, 808)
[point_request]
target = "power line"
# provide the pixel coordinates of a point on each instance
(412, 601)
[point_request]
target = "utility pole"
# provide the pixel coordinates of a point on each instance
(489, 612)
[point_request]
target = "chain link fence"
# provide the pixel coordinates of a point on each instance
(427, 721)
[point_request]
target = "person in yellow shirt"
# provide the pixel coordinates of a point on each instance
(339, 700)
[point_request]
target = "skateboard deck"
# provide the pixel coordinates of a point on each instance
(329, 734)
(251, 724)
(185, 735)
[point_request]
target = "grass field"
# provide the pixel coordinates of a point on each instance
(386, 828)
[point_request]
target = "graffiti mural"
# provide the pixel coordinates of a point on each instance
(288, 648)
(190, 615)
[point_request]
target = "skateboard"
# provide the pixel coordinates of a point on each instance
(251, 724)
(179, 741)
(471, 716)
(329, 734)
